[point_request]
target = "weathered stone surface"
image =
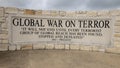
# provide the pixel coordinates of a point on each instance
(21, 11)
(39, 46)
(67, 46)
(113, 50)
(84, 47)
(26, 47)
(29, 12)
(70, 13)
(75, 47)
(12, 47)
(98, 48)
(2, 19)
(115, 12)
(117, 29)
(11, 10)
(39, 12)
(3, 36)
(92, 13)
(104, 13)
(59, 46)
(3, 47)
(117, 23)
(4, 26)
(1, 11)
(62, 13)
(117, 43)
(117, 35)
(5, 41)
(50, 46)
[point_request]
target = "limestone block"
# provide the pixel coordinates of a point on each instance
(92, 13)
(84, 47)
(3, 47)
(38, 12)
(116, 39)
(113, 50)
(5, 41)
(4, 26)
(46, 13)
(54, 13)
(3, 31)
(12, 47)
(104, 13)
(11, 10)
(117, 35)
(20, 11)
(29, 12)
(75, 47)
(117, 29)
(62, 13)
(67, 46)
(49, 46)
(81, 13)
(39, 46)
(59, 46)
(3, 36)
(115, 12)
(117, 43)
(1, 11)
(0, 41)
(70, 13)
(117, 23)
(98, 48)
(2, 19)
(27, 47)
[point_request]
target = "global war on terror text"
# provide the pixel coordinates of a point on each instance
(63, 29)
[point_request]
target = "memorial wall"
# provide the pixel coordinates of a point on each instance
(24, 29)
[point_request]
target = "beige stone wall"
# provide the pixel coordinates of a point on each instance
(5, 46)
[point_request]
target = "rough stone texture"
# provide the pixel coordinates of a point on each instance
(12, 10)
(50, 46)
(2, 19)
(3, 47)
(113, 50)
(67, 46)
(3, 36)
(39, 46)
(62, 13)
(39, 12)
(75, 47)
(5, 41)
(1, 11)
(92, 13)
(117, 43)
(59, 46)
(26, 47)
(117, 29)
(29, 12)
(85, 47)
(117, 35)
(12, 47)
(115, 12)
(103, 13)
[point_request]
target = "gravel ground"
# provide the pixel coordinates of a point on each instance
(58, 59)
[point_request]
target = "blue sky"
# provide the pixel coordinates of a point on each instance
(62, 4)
